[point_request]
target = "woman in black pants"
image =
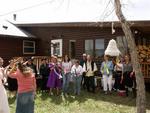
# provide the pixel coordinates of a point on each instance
(128, 76)
(12, 84)
(44, 72)
(118, 69)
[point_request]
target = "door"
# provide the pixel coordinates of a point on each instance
(72, 48)
(56, 47)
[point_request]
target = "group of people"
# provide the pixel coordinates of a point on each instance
(26, 86)
(66, 75)
(122, 71)
(62, 75)
(81, 73)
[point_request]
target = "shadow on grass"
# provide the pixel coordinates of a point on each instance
(113, 98)
(44, 96)
(99, 96)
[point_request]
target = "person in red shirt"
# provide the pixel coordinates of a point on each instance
(26, 87)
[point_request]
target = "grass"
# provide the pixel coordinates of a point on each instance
(85, 103)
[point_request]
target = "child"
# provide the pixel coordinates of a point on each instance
(77, 71)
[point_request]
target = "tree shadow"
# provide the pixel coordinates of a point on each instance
(57, 99)
(44, 95)
(99, 96)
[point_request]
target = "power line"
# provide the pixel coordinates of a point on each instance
(108, 14)
(104, 11)
(26, 8)
(105, 8)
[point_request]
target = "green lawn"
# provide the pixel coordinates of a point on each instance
(85, 103)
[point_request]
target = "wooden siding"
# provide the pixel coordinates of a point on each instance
(11, 47)
(80, 34)
(46, 33)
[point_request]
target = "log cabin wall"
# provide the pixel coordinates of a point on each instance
(12, 47)
(79, 34)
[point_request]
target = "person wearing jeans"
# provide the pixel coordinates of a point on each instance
(26, 87)
(82, 61)
(106, 70)
(66, 66)
(77, 71)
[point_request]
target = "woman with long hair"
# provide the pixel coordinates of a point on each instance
(128, 75)
(26, 87)
(4, 107)
(44, 72)
(66, 66)
(118, 69)
(54, 79)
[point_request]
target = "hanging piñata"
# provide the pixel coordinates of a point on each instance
(112, 49)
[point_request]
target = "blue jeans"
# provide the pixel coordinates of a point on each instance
(77, 84)
(66, 80)
(25, 102)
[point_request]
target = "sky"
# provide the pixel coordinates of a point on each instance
(43, 11)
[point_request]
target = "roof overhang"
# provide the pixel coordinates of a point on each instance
(9, 29)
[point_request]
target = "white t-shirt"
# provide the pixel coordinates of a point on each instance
(77, 71)
(66, 66)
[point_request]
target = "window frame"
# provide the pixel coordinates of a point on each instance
(60, 41)
(99, 48)
(28, 47)
(93, 49)
(94, 45)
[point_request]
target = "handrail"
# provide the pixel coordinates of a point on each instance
(145, 69)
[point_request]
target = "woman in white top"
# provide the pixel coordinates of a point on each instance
(4, 107)
(77, 71)
(66, 66)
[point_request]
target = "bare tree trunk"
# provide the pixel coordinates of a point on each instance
(140, 100)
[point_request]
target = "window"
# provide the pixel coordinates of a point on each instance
(89, 47)
(94, 47)
(99, 47)
(28, 47)
(56, 47)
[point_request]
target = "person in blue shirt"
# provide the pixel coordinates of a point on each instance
(107, 71)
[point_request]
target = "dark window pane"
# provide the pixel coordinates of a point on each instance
(99, 52)
(89, 46)
(99, 47)
(29, 50)
(28, 44)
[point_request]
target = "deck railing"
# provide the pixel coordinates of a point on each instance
(145, 69)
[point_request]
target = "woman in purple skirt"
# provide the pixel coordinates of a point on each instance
(54, 79)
